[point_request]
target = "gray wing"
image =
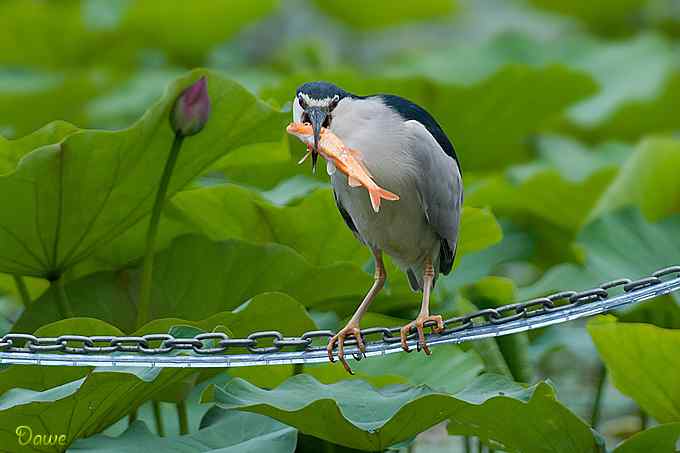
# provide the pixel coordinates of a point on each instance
(440, 187)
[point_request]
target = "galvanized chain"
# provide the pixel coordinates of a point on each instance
(217, 349)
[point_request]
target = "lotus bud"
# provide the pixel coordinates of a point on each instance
(191, 109)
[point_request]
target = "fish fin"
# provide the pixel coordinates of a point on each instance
(378, 193)
(353, 182)
(330, 167)
(387, 195)
(358, 156)
(375, 199)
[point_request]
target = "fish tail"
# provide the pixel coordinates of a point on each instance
(377, 193)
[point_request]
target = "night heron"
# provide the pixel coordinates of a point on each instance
(409, 154)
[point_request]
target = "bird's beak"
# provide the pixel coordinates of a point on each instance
(317, 116)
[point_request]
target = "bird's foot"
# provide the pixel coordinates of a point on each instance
(351, 329)
(419, 324)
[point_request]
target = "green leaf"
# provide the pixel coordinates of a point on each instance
(642, 361)
(492, 292)
(81, 407)
(233, 212)
(13, 150)
(449, 369)
(607, 62)
(39, 378)
(35, 286)
(648, 180)
(381, 13)
(639, 118)
(234, 432)
(46, 96)
(515, 245)
(160, 28)
(574, 160)
(663, 311)
(116, 32)
(229, 211)
(72, 196)
(610, 17)
(33, 395)
(487, 348)
(478, 230)
(75, 401)
(238, 213)
(191, 296)
(660, 438)
(617, 245)
(549, 207)
(553, 196)
(486, 136)
(126, 100)
(544, 195)
(222, 283)
(354, 414)
(105, 296)
(501, 422)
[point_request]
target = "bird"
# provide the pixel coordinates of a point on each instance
(408, 153)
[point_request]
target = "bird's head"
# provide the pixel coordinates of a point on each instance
(314, 103)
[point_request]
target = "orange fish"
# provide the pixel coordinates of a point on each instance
(345, 159)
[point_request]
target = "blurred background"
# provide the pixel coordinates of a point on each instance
(564, 114)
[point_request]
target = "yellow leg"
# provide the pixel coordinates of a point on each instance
(424, 315)
(352, 327)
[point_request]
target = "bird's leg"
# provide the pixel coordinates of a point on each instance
(352, 327)
(424, 315)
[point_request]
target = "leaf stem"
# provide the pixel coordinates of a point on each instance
(644, 419)
(158, 417)
(144, 307)
(182, 417)
(23, 290)
(132, 417)
(467, 444)
(599, 393)
(65, 309)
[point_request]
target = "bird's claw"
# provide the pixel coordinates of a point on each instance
(419, 324)
(339, 338)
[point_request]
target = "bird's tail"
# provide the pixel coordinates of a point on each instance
(377, 193)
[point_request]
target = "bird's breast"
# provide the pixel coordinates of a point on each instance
(400, 228)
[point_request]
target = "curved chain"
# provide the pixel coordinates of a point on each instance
(217, 349)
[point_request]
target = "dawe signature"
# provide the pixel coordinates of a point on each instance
(25, 436)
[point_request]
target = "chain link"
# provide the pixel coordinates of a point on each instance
(268, 342)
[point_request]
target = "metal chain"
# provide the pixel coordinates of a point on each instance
(215, 349)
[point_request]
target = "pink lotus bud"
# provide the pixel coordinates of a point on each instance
(191, 110)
